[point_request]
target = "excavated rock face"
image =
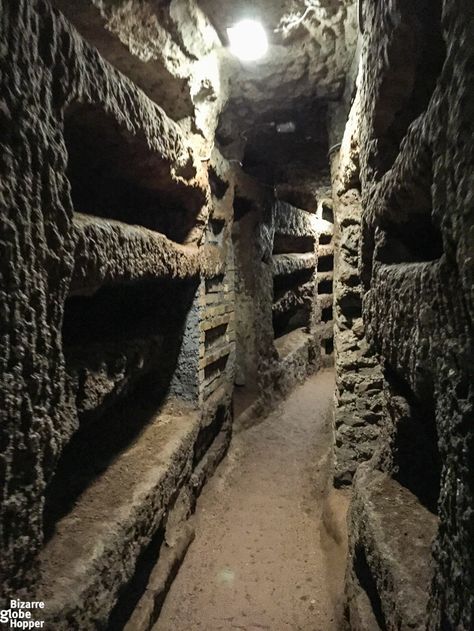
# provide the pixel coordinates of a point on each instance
(414, 133)
(108, 291)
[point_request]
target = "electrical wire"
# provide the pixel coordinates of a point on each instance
(297, 22)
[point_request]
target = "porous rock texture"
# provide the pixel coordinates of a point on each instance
(412, 191)
(360, 412)
(167, 49)
(399, 598)
(176, 249)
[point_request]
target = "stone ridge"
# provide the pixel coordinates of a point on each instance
(391, 528)
(283, 264)
(360, 409)
(111, 251)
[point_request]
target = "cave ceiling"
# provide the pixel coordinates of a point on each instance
(177, 52)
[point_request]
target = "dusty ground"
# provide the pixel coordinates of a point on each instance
(270, 550)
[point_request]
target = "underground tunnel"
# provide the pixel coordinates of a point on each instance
(237, 357)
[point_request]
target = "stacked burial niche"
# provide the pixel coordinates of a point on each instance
(293, 261)
(280, 193)
(401, 432)
(325, 277)
(122, 265)
(121, 338)
(278, 324)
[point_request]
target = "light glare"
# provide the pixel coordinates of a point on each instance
(248, 40)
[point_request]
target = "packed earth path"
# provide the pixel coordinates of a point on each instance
(270, 544)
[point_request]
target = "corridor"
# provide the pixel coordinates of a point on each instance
(265, 529)
(237, 296)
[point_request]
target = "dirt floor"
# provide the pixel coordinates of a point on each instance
(270, 539)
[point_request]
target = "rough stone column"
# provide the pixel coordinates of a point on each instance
(359, 406)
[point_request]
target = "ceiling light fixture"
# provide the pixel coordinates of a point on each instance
(248, 40)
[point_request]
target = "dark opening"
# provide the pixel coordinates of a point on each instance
(96, 445)
(284, 283)
(297, 197)
(326, 263)
(328, 346)
(327, 212)
(325, 287)
(368, 584)
(414, 241)
(121, 347)
(218, 185)
(208, 433)
(325, 239)
(242, 206)
(326, 314)
(130, 594)
(350, 305)
(115, 175)
(216, 367)
(427, 63)
(217, 225)
(284, 323)
(269, 154)
(214, 284)
(415, 446)
(126, 311)
(288, 244)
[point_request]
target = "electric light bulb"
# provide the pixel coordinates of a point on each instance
(248, 40)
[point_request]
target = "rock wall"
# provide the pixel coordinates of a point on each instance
(360, 411)
(278, 315)
(117, 326)
(415, 156)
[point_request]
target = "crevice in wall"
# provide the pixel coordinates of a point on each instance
(416, 456)
(131, 593)
(208, 433)
(368, 584)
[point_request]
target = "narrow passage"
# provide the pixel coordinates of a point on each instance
(270, 539)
